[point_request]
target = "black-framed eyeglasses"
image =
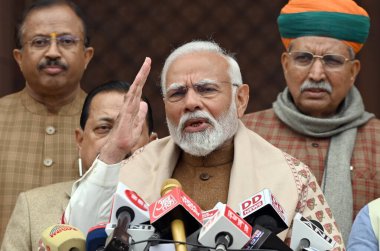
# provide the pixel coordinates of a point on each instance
(177, 92)
(65, 41)
(306, 59)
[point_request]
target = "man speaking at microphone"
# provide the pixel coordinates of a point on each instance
(213, 155)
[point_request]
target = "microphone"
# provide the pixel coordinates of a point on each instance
(126, 199)
(263, 238)
(225, 229)
(206, 215)
(141, 232)
(176, 208)
(96, 238)
(265, 204)
(138, 232)
(307, 235)
(128, 208)
(61, 237)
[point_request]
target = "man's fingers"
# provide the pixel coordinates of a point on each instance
(135, 91)
(142, 75)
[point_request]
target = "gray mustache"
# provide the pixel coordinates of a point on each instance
(324, 85)
(52, 62)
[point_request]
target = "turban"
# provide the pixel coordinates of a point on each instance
(340, 19)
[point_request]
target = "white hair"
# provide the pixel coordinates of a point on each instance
(202, 46)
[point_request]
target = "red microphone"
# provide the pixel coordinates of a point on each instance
(176, 208)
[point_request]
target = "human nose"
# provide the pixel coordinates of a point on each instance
(317, 70)
(192, 100)
(53, 49)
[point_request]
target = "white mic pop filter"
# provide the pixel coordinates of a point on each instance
(226, 221)
(303, 229)
(125, 197)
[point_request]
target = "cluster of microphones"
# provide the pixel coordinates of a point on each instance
(176, 222)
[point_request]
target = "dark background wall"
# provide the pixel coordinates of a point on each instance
(123, 33)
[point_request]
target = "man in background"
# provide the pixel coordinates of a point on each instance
(320, 117)
(37, 146)
(42, 207)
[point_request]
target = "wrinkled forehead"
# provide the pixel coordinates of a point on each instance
(197, 67)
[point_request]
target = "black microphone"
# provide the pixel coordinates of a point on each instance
(128, 208)
(264, 204)
(120, 239)
(264, 238)
(139, 234)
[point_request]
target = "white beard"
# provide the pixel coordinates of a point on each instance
(204, 142)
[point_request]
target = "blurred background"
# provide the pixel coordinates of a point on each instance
(124, 32)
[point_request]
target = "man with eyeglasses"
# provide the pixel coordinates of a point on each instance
(37, 146)
(320, 116)
(212, 154)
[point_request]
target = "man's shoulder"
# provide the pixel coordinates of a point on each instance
(375, 204)
(268, 113)
(51, 190)
(10, 98)
(370, 131)
(372, 124)
(261, 119)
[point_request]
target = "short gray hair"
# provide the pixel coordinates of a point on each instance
(202, 46)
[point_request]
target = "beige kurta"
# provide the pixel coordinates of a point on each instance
(257, 165)
(35, 210)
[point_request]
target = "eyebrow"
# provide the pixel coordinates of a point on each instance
(49, 35)
(176, 85)
(207, 81)
(106, 119)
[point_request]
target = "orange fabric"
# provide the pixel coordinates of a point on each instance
(355, 46)
(341, 6)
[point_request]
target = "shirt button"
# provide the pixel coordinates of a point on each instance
(204, 176)
(50, 130)
(315, 144)
(48, 162)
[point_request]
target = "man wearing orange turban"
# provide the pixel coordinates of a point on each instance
(320, 116)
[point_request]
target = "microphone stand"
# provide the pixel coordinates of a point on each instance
(120, 238)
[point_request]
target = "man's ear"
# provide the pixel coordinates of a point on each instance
(88, 54)
(285, 61)
(79, 137)
(17, 55)
(355, 69)
(153, 136)
(242, 98)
